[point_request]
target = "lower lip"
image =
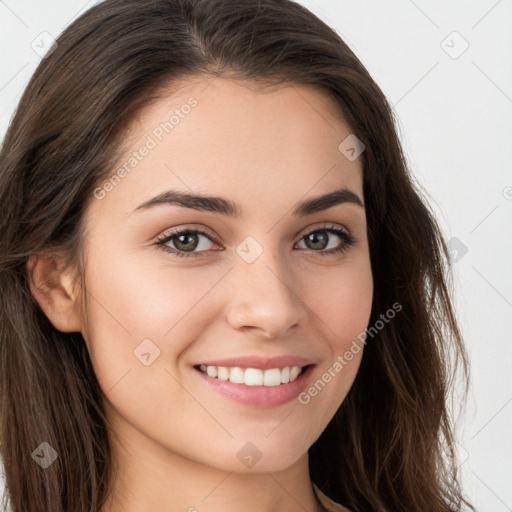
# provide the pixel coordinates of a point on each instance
(259, 396)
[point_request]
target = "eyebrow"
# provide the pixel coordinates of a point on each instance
(233, 209)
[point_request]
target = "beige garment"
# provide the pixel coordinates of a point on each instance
(330, 505)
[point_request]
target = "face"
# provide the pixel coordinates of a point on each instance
(249, 279)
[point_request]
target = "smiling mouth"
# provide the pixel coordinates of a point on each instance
(253, 376)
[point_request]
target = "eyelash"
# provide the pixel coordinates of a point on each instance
(348, 241)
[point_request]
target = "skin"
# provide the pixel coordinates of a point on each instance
(177, 440)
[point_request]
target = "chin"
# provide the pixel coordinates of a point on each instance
(259, 456)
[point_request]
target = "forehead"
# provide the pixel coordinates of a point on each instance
(225, 137)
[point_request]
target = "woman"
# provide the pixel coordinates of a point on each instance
(220, 287)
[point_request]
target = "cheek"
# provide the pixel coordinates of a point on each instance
(139, 322)
(147, 298)
(132, 300)
(342, 303)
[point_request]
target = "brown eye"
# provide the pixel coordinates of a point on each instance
(184, 242)
(324, 242)
(317, 240)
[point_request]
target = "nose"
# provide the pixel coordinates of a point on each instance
(263, 300)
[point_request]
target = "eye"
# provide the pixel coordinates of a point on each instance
(319, 240)
(184, 242)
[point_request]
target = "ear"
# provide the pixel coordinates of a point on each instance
(54, 290)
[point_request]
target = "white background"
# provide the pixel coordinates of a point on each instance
(454, 116)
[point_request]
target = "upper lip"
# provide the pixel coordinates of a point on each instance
(264, 363)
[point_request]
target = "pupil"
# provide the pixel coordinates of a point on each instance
(185, 236)
(313, 237)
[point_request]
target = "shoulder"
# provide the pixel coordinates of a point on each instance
(330, 505)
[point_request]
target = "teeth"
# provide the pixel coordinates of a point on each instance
(222, 373)
(294, 372)
(253, 376)
(272, 377)
(236, 375)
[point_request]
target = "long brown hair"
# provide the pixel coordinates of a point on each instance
(389, 446)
